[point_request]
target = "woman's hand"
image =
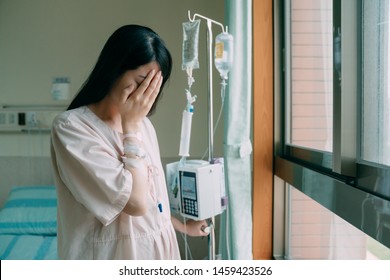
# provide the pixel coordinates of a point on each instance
(196, 228)
(191, 227)
(136, 102)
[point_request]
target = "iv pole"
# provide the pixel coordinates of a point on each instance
(211, 221)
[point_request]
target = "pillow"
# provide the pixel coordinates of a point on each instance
(30, 210)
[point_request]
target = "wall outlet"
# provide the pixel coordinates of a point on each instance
(8, 119)
(27, 120)
(31, 119)
(3, 118)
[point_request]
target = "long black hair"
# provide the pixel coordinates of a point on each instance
(128, 48)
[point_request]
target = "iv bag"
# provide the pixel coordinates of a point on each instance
(223, 55)
(190, 44)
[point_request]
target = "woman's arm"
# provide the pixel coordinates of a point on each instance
(137, 203)
(135, 106)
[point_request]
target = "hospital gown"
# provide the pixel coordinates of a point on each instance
(93, 187)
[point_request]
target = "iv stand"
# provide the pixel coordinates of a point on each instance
(211, 221)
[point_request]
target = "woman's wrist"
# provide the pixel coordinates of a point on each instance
(131, 136)
(130, 127)
(134, 128)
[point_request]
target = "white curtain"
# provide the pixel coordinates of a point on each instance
(236, 241)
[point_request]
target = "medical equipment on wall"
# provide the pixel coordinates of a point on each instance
(60, 89)
(198, 186)
(28, 118)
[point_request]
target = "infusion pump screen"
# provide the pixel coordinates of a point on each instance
(188, 185)
(188, 193)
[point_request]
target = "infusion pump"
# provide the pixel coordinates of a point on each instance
(200, 188)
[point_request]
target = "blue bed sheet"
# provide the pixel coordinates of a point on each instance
(28, 247)
(28, 224)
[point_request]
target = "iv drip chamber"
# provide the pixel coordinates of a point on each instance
(185, 134)
(223, 55)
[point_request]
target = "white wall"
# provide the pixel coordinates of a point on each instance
(42, 39)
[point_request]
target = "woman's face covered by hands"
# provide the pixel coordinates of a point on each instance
(136, 91)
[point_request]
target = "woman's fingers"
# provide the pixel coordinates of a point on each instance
(154, 85)
(127, 93)
(153, 94)
(146, 84)
(147, 92)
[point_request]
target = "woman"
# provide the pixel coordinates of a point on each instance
(112, 196)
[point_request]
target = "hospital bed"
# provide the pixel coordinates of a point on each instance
(28, 224)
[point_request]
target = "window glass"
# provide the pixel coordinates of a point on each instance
(317, 233)
(311, 74)
(376, 83)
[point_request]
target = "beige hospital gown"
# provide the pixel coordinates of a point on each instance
(93, 188)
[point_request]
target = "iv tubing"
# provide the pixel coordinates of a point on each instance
(223, 86)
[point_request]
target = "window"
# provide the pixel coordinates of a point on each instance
(376, 82)
(335, 161)
(311, 74)
(317, 233)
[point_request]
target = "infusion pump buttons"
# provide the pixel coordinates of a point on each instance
(190, 207)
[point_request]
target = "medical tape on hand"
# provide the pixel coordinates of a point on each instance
(133, 150)
(133, 155)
